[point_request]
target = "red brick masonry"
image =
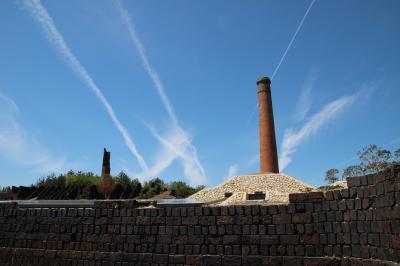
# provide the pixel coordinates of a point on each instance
(355, 226)
(268, 152)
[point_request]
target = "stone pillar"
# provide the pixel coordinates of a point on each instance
(268, 151)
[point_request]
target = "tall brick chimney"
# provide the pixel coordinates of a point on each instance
(268, 152)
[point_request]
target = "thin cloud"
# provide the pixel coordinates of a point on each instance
(164, 157)
(293, 38)
(293, 138)
(255, 159)
(49, 28)
(187, 151)
(304, 103)
(233, 170)
(18, 147)
(176, 145)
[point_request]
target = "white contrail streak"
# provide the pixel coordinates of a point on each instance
(187, 152)
(284, 54)
(293, 38)
(39, 13)
(177, 145)
(149, 69)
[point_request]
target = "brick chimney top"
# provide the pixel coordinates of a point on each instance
(264, 80)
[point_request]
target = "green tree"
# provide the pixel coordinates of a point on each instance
(136, 187)
(330, 175)
(81, 178)
(153, 187)
(5, 189)
(352, 170)
(180, 189)
(122, 178)
(52, 180)
(374, 159)
(397, 154)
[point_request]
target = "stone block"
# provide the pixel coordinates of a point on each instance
(232, 260)
(252, 260)
(194, 260)
(301, 218)
(269, 239)
(281, 219)
(211, 260)
(289, 239)
(353, 181)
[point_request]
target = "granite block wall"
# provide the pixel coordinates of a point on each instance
(355, 226)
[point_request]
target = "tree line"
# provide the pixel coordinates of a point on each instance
(372, 159)
(148, 189)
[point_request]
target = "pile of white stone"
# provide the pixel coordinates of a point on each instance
(235, 190)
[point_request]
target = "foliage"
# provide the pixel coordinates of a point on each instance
(397, 154)
(136, 187)
(374, 159)
(71, 178)
(122, 178)
(52, 180)
(352, 170)
(307, 189)
(180, 189)
(82, 178)
(5, 189)
(87, 180)
(325, 188)
(153, 187)
(330, 175)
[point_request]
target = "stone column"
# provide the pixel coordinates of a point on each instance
(268, 151)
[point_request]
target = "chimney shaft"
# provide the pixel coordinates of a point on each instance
(106, 169)
(268, 151)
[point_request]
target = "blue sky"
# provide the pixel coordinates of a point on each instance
(169, 86)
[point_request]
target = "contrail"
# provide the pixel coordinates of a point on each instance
(188, 152)
(293, 38)
(177, 145)
(149, 69)
(284, 54)
(41, 15)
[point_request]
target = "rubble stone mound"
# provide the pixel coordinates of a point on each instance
(236, 190)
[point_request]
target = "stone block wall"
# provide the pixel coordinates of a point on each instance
(355, 226)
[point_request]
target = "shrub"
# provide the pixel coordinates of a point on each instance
(82, 179)
(153, 187)
(180, 189)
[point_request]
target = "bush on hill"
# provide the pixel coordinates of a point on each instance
(180, 189)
